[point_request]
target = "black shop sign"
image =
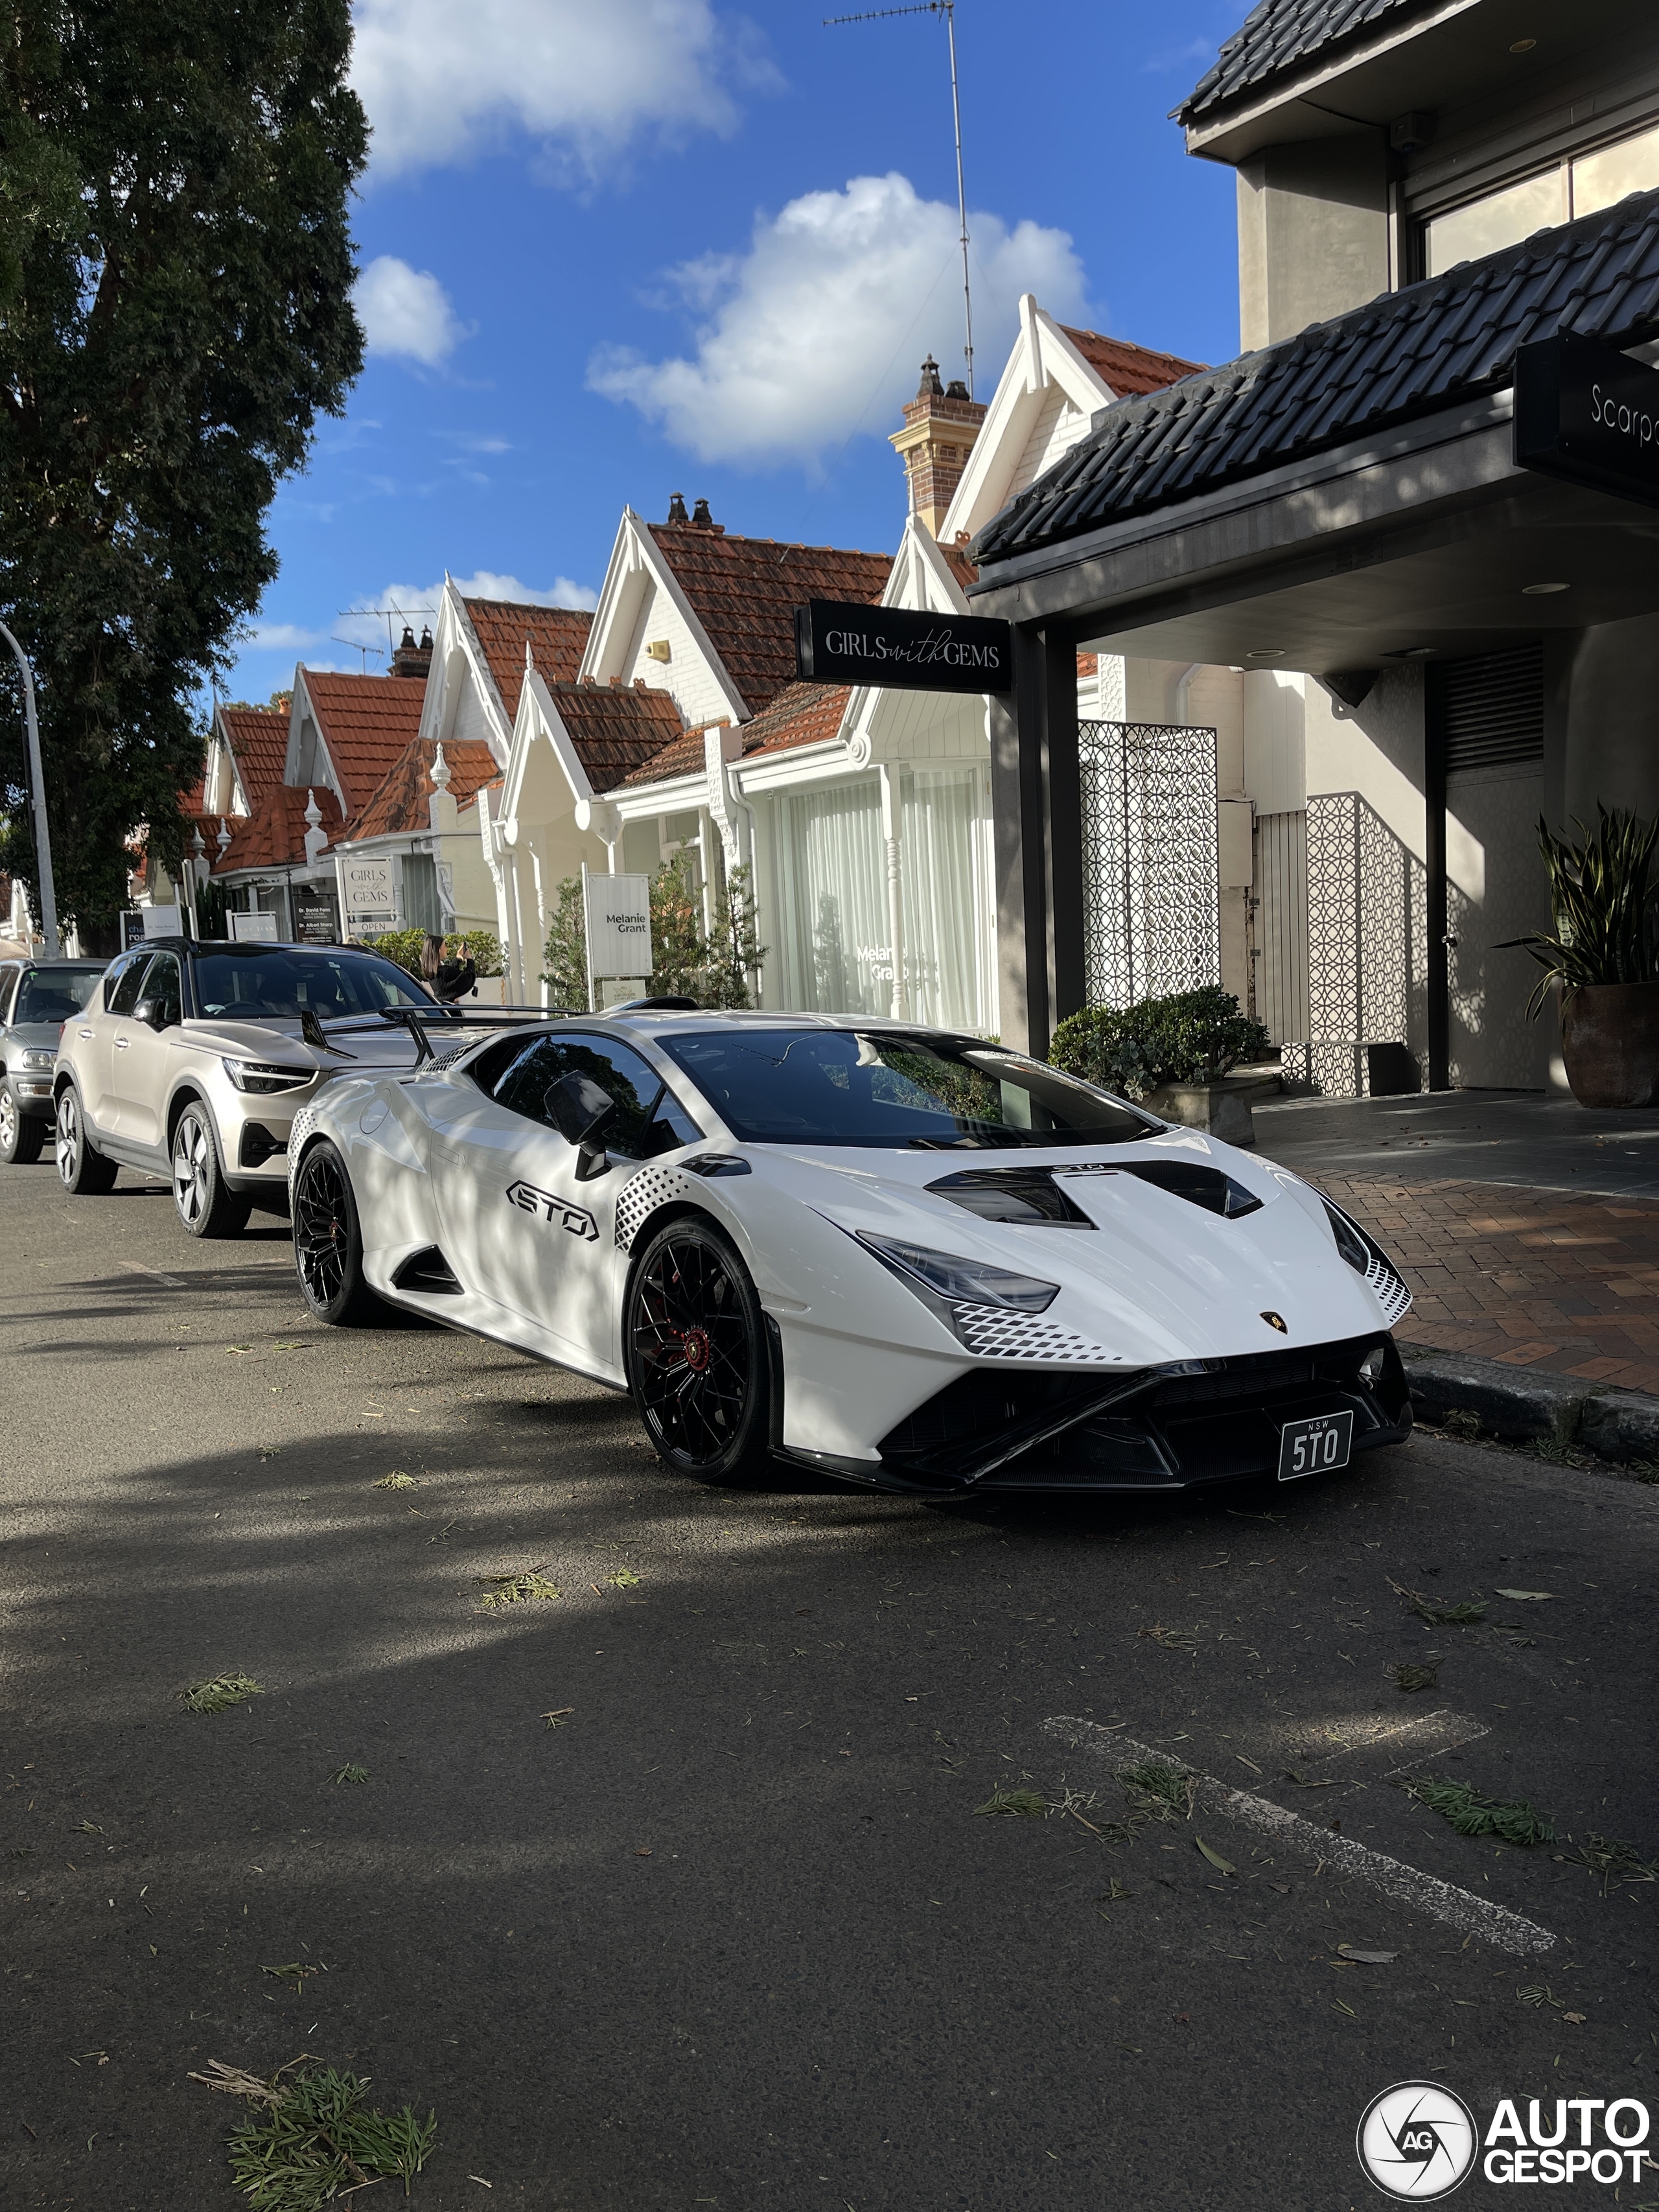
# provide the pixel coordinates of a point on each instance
(1586, 412)
(841, 642)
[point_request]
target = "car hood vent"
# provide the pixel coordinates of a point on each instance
(1206, 1187)
(1023, 1195)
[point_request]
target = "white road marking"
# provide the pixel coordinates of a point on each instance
(1457, 1908)
(137, 1267)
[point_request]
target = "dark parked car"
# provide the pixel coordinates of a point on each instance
(37, 997)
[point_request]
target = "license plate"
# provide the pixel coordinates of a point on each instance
(1313, 1447)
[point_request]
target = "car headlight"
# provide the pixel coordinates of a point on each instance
(265, 1076)
(38, 1059)
(962, 1282)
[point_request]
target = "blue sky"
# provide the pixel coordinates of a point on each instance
(617, 248)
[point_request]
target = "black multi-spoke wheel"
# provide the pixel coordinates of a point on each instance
(696, 1353)
(328, 1245)
(83, 1172)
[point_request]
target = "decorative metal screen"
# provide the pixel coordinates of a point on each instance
(1152, 916)
(1367, 965)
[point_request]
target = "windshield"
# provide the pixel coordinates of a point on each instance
(54, 994)
(935, 1094)
(249, 983)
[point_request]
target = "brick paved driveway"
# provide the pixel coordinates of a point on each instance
(1536, 1279)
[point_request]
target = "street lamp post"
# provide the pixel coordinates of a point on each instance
(38, 782)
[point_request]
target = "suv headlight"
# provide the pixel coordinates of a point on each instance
(38, 1059)
(962, 1282)
(265, 1076)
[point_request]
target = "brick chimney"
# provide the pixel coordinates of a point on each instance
(940, 426)
(409, 659)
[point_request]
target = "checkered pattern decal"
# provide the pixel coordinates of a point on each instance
(644, 1191)
(994, 1333)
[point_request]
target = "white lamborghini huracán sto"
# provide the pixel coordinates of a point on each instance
(903, 1256)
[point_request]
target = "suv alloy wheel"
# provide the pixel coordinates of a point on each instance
(206, 1204)
(21, 1135)
(83, 1172)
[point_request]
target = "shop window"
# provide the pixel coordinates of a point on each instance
(1555, 194)
(1603, 179)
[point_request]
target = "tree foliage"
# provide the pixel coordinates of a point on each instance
(175, 274)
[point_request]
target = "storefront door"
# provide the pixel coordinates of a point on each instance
(1486, 719)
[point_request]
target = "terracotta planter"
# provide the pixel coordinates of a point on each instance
(1610, 1043)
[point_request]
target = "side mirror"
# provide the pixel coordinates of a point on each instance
(151, 1012)
(579, 1109)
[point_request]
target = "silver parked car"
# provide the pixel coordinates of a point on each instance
(37, 997)
(194, 1059)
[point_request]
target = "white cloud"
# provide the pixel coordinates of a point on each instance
(406, 311)
(284, 637)
(417, 604)
(817, 330)
(583, 77)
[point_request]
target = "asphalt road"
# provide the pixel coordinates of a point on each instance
(729, 1933)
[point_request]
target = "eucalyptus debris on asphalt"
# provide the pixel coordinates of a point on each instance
(1614, 1861)
(396, 1480)
(514, 1589)
(1412, 1676)
(1029, 1804)
(1473, 1813)
(219, 1692)
(348, 1772)
(1468, 1612)
(314, 2138)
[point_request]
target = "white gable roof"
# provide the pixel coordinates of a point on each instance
(1045, 398)
(639, 581)
(462, 697)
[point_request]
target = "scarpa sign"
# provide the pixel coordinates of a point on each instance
(841, 641)
(619, 912)
(1586, 412)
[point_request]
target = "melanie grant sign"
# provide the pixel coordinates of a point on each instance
(841, 642)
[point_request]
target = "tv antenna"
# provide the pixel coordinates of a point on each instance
(357, 648)
(948, 10)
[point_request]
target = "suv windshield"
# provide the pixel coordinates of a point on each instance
(935, 1093)
(254, 983)
(54, 994)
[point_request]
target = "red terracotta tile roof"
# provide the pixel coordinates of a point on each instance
(965, 571)
(404, 801)
(1130, 369)
(274, 834)
(745, 591)
(683, 756)
(615, 726)
(259, 738)
(557, 636)
(366, 722)
(801, 714)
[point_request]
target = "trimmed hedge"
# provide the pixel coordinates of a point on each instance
(1191, 1036)
(481, 946)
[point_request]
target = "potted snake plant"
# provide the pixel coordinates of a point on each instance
(1603, 954)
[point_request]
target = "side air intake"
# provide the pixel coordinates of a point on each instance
(429, 1274)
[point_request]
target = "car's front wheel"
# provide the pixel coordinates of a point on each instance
(21, 1135)
(83, 1172)
(695, 1347)
(205, 1202)
(328, 1242)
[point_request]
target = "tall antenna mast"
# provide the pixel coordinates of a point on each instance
(948, 10)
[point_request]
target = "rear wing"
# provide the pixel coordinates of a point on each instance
(419, 1022)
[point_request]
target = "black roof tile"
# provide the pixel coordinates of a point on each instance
(1279, 35)
(1409, 353)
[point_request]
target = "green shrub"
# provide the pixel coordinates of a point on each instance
(712, 967)
(1191, 1036)
(405, 946)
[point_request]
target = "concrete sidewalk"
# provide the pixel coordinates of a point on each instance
(1528, 1227)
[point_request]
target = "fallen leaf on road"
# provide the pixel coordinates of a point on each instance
(396, 1480)
(1221, 1865)
(1365, 1958)
(1526, 1594)
(557, 1718)
(1577, 2018)
(1014, 1802)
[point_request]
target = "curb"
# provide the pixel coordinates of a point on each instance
(1526, 1402)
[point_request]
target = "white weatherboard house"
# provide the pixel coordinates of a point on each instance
(864, 815)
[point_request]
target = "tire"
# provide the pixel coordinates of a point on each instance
(202, 1199)
(21, 1135)
(694, 1344)
(328, 1242)
(82, 1171)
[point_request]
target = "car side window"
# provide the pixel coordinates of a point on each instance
(121, 993)
(163, 986)
(649, 1118)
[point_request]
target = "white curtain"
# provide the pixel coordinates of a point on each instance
(949, 926)
(832, 899)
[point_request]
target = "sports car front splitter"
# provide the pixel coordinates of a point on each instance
(1168, 1427)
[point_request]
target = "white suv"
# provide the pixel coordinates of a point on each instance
(193, 1060)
